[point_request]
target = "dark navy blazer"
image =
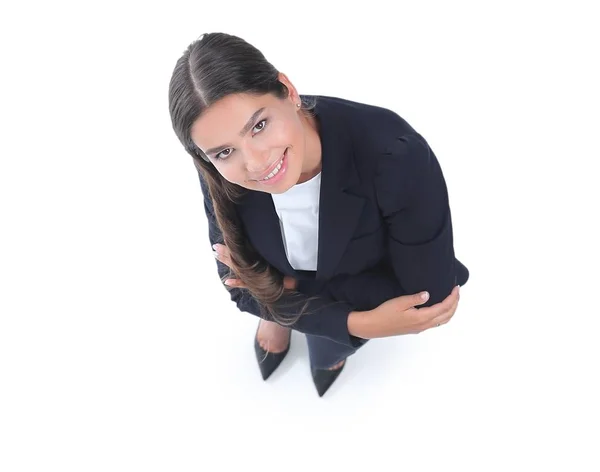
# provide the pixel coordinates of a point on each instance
(385, 227)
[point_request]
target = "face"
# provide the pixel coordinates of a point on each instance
(259, 142)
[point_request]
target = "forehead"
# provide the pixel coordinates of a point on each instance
(223, 120)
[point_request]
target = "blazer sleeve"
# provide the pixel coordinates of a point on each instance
(364, 291)
(326, 317)
(413, 199)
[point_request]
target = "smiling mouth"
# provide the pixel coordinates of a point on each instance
(275, 170)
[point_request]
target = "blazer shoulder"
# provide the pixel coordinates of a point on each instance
(380, 137)
(374, 127)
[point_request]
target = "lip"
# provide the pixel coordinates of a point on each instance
(277, 177)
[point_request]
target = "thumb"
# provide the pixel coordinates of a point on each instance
(418, 298)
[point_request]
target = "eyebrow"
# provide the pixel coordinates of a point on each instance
(243, 132)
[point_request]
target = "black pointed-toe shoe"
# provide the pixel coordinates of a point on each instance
(269, 361)
(324, 378)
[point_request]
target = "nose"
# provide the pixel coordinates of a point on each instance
(257, 161)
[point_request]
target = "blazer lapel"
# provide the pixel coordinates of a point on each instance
(263, 229)
(339, 209)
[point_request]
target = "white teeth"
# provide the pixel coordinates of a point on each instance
(274, 171)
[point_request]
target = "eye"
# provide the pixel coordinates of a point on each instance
(224, 154)
(264, 124)
(227, 152)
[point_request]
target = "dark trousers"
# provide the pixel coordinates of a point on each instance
(325, 353)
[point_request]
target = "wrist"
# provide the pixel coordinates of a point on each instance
(359, 324)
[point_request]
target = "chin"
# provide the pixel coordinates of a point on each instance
(284, 189)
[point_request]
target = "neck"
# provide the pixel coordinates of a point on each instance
(312, 158)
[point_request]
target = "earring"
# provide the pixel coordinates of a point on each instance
(298, 105)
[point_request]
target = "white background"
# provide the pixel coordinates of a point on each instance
(119, 348)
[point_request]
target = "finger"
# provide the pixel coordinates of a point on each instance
(221, 249)
(441, 320)
(222, 254)
(429, 313)
(235, 283)
(289, 283)
(446, 316)
(220, 258)
(416, 299)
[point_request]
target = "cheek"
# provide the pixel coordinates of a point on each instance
(285, 132)
(232, 173)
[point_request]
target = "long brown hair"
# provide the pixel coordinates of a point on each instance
(212, 67)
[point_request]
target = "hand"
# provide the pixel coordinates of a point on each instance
(399, 316)
(221, 253)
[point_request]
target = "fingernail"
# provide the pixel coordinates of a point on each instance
(425, 295)
(228, 282)
(214, 246)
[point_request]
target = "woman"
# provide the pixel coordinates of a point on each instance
(327, 216)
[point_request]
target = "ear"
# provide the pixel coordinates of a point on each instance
(293, 96)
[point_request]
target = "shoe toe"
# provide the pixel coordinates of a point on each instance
(268, 361)
(323, 378)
